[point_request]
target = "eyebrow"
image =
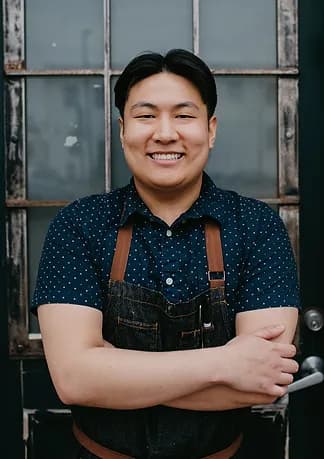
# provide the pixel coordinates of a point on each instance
(187, 104)
(144, 104)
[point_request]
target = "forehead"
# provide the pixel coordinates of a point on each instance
(164, 87)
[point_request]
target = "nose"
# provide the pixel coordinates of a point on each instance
(165, 131)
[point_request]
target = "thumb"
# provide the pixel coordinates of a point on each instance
(270, 331)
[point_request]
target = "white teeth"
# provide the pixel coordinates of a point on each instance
(166, 156)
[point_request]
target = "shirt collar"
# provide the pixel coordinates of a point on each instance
(133, 204)
(210, 203)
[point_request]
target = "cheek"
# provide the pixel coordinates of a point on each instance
(136, 136)
(197, 137)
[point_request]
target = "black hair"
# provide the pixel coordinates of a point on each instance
(178, 61)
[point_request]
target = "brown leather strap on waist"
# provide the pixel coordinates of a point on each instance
(94, 447)
(105, 453)
(216, 273)
(228, 452)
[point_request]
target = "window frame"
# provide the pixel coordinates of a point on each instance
(22, 343)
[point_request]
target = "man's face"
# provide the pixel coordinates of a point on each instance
(166, 134)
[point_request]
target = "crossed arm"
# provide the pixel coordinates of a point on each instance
(253, 368)
(222, 397)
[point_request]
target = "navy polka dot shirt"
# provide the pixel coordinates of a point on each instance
(79, 247)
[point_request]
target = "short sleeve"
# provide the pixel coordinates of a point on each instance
(66, 272)
(269, 273)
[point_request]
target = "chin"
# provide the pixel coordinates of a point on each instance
(169, 184)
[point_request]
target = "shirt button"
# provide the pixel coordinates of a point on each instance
(169, 281)
(169, 233)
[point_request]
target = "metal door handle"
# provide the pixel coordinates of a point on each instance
(307, 381)
(314, 319)
(313, 367)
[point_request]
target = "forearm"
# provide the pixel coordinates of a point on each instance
(86, 371)
(222, 397)
(89, 371)
(126, 379)
(219, 398)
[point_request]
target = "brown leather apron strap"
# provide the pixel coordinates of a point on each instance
(216, 273)
(94, 447)
(228, 452)
(106, 453)
(118, 267)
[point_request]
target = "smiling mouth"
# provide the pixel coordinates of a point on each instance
(165, 156)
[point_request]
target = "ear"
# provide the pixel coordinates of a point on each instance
(121, 130)
(212, 127)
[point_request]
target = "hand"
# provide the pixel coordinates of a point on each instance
(256, 364)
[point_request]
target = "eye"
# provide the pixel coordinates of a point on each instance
(184, 116)
(145, 116)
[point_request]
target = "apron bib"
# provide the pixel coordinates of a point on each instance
(142, 319)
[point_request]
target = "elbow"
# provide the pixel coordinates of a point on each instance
(65, 396)
(73, 388)
(66, 387)
(65, 392)
(70, 394)
(73, 393)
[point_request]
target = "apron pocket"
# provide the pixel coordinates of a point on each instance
(136, 335)
(190, 339)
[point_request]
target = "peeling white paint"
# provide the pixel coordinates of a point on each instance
(70, 141)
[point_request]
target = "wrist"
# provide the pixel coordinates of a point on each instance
(218, 366)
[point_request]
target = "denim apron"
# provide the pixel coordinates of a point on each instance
(142, 319)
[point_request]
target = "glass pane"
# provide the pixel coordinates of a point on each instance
(148, 25)
(38, 221)
(244, 157)
(64, 34)
(65, 137)
(120, 174)
(238, 34)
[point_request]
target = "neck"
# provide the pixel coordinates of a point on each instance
(169, 205)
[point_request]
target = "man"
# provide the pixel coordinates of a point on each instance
(141, 291)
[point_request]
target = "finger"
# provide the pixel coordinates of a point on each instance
(284, 390)
(270, 331)
(285, 350)
(285, 379)
(289, 366)
(278, 391)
